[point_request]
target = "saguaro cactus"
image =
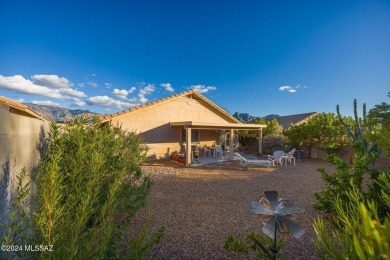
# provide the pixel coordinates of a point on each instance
(361, 127)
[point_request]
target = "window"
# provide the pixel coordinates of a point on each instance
(194, 136)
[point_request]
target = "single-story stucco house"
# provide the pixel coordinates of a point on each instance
(168, 123)
(297, 119)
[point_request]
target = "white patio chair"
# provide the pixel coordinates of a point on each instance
(206, 151)
(291, 152)
(277, 157)
(218, 151)
(246, 162)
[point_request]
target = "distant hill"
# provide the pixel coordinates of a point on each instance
(271, 116)
(57, 114)
(245, 117)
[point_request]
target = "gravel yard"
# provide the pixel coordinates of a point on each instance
(200, 206)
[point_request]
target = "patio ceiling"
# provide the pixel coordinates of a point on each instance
(218, 126)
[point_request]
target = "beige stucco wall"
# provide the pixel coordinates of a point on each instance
(19, 136)
(152, 123)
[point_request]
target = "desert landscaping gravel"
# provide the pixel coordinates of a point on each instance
(199, 206)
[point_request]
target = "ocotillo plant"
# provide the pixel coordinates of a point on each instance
(361, 127)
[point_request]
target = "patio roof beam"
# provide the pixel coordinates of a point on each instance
(218, 126)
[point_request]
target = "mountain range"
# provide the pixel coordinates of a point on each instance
(245, 117)
(58, 114)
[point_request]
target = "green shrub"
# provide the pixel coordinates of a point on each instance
(348, 176)
(357, 232)
(256, 243)
(89, 185)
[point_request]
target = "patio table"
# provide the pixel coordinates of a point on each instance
(286, 158)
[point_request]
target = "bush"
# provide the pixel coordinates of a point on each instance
(338, 183)
(273, 142)
(357, 232)
(254, 243)
(89, 184)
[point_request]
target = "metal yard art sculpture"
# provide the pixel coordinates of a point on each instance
(276, 215)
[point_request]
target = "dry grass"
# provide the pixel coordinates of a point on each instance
(200, 206)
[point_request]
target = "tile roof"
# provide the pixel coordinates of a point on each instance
(185, 93)
(297, 119)
(22, 107)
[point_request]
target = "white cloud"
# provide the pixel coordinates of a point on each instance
(105, 101)
(81, 85)
(21, 85)
(142, 99)
(108, 85)
(72, 92)
(149, 89)
(282, 88)
(59, 87)
(20, 100)
(132, 89)
(78, 103)
(287, 88)
(202, 88)
(46, 103)
(122, 94)
(51, 81)
(167, 86)
(292, 89)
(134, 99)
(92, 84)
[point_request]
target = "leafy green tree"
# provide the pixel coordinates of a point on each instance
(379, 119)
(324, 129)
(89, 185)
(273, 128)
(249, 137)
(302, 135)
(330, 133)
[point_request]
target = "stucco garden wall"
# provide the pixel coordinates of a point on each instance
(19, 136)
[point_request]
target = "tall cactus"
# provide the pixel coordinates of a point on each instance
(361, 127)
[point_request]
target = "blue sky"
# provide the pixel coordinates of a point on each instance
(260, 57)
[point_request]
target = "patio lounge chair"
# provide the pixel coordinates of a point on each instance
(276, 157)
(246, 162)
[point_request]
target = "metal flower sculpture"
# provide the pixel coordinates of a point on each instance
(276, 215)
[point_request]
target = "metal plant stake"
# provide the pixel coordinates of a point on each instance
(276, 215)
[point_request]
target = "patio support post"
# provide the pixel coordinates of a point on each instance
(188, 145)
(261, 141)
(231, 145)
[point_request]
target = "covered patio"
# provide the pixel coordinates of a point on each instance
(188, 128)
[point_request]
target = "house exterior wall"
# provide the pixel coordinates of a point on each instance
(152, 123)
(19, 136)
